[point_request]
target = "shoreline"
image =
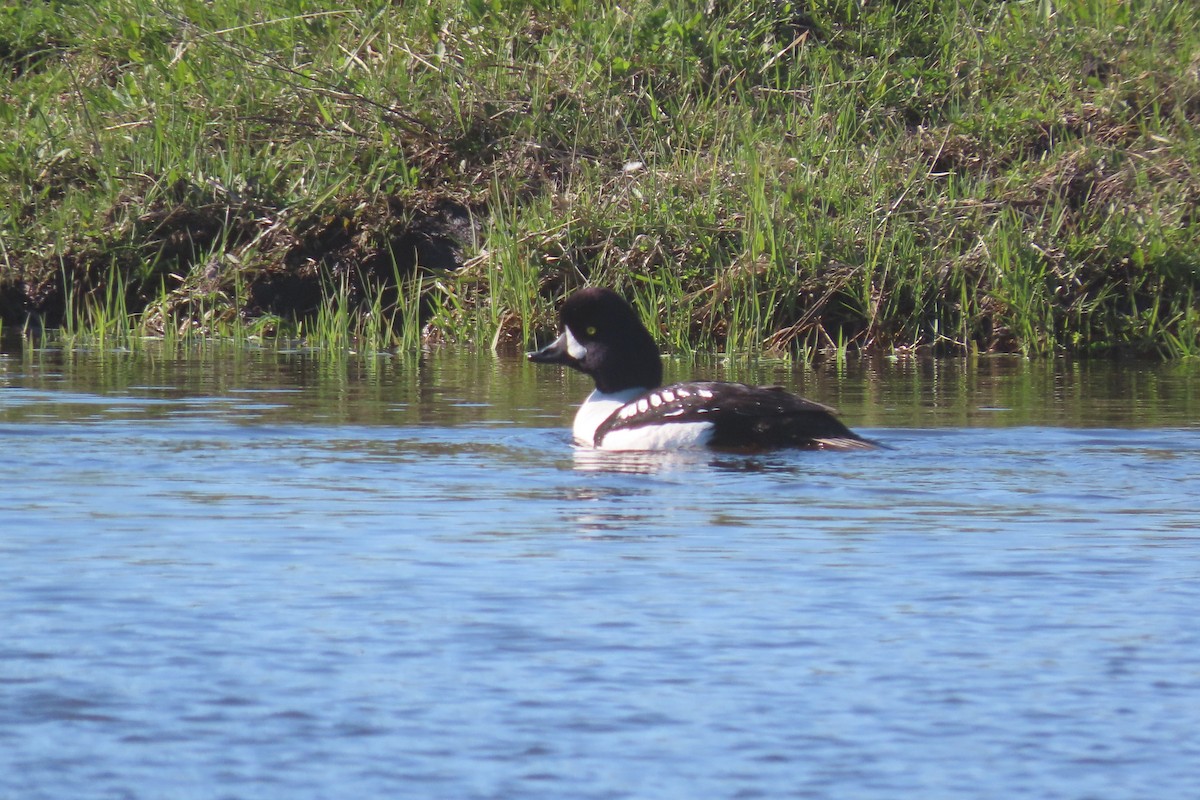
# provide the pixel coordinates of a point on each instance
(928, 177)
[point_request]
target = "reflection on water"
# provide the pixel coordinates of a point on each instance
(247, 573)
(451, 388)
(651, 462)
(640, 463)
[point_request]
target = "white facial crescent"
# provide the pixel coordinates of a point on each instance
(574, 348)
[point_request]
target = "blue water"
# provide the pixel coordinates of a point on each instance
(282, 579)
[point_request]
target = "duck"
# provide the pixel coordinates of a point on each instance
(630, 410)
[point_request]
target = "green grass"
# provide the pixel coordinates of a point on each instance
(798, 179)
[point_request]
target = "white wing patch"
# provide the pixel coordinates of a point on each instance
(655, 400)
(664, 397)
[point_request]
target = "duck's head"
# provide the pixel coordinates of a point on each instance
(603, 337)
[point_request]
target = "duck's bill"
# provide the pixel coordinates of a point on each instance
(557, 352)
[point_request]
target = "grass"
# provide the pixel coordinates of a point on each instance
(794, 178)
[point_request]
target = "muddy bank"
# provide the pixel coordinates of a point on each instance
(213, 256)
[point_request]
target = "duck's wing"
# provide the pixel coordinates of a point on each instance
(741, 416)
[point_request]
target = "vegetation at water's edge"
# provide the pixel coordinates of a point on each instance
(788, 176)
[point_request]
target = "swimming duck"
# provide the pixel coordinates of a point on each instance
(630, 409)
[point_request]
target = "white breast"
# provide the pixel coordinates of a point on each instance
(597, 408)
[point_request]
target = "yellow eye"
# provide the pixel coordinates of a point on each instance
(591, 330)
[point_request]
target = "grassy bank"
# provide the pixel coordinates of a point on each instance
(763, 175)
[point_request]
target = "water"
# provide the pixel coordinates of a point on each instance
(249, 574)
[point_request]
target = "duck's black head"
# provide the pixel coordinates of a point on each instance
(603, 337)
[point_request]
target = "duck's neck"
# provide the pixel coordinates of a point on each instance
(640, 368)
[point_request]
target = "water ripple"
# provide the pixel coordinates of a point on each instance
(285, 593)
